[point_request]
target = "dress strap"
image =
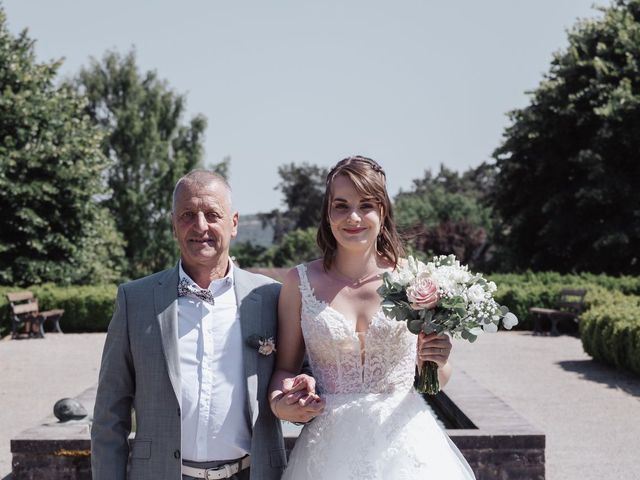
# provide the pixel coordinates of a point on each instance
(305, 287)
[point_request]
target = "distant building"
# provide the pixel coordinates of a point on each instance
(250, 229)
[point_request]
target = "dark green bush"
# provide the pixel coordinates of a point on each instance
(86, 308)
(610, 330)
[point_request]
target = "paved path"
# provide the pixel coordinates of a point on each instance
(589, 412)
(38, 372)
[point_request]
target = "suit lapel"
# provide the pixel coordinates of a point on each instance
(250, 308)
(166, 308)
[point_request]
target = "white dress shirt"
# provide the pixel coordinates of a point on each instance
(215, 424)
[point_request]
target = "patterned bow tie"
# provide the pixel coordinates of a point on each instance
(187, 289)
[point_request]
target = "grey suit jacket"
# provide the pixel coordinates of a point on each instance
(140, 369)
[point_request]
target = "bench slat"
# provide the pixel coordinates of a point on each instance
(25, 308)
(20, 296)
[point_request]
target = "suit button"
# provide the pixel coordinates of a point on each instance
(178, 411)
(176, 454)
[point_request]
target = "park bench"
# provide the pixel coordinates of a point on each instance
(25, 312)
(569, 307)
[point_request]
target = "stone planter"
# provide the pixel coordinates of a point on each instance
(496, 441)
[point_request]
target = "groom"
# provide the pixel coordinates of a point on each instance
(182, 350)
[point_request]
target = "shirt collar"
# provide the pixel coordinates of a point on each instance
(216, 285)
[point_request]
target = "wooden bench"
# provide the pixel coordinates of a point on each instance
(569, 307)
(25, 312)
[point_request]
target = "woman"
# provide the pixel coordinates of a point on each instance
(370, 423)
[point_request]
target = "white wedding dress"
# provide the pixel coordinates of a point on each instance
(375, 426)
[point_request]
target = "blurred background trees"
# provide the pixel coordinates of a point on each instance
(52, 227)
(87, 169)
(568, 171)
(150, 148)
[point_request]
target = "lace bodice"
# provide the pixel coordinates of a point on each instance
(334, 349)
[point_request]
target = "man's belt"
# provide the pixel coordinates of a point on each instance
(219, 472)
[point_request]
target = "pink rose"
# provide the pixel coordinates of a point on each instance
(423, 293)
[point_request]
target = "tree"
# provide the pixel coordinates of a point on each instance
(446, 214)
(150, 148)
(51, 165)
(567, 186)
(297, 246)
(303, 189)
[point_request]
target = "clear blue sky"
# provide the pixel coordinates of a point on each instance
(410, 83)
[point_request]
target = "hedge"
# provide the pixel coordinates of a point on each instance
(610, 330)
(86, 308)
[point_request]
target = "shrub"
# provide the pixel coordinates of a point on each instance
(610, 330)
(86, 308)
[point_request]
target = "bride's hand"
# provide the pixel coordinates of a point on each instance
(433, 348)
(298, 402)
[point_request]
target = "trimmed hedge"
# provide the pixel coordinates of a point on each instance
(86, 308)
(610, 330)
(520, 292)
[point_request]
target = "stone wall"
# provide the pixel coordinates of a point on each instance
(497, 442)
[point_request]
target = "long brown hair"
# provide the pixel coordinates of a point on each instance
(368, 179)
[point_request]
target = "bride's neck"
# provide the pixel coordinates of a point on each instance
(355, 266)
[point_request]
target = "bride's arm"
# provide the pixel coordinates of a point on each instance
(436, 348)
(292, 397)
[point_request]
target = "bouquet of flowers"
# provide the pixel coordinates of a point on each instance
(442, 296)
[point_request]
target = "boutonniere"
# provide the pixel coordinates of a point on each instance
(265, 345)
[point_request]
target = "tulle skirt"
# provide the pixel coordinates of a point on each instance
(376, 437)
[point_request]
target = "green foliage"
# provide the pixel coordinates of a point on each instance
(86, 308)
(51, 166)
(542, 289)
(303, 189)
(151, 149)
(297, 246)
(248, 255)
(568, 170)
(445, 214)
(610, 331)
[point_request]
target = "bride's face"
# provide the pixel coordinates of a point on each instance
(355, 220)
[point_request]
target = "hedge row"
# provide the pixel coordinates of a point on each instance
(520, 292)
(86, 308)
(610, 331)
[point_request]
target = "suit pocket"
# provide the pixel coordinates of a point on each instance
(277, 457)
(141, 448)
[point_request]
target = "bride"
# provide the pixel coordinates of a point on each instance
(368, 421)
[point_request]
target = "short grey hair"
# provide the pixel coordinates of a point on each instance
(201, 177)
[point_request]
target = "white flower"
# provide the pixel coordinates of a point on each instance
(490, 327)
(491, 287)
(509, 321)
(475, 293)
(401, 275)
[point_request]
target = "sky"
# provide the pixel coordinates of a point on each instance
(412, 84)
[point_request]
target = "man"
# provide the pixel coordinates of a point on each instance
(182, 349)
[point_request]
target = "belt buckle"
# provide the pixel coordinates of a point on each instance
(227, 471)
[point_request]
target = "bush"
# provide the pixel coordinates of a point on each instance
(610, 330)
(86, 308)
(520, 292)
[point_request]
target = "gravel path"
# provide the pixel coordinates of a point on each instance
(589, 412)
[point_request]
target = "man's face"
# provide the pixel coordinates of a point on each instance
(204, 224)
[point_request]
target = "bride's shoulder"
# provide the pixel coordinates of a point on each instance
(312, 268)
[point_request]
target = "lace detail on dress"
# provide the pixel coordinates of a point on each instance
(374, 426)
(334, 350)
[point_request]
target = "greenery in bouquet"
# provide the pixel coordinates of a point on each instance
(442, 297)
